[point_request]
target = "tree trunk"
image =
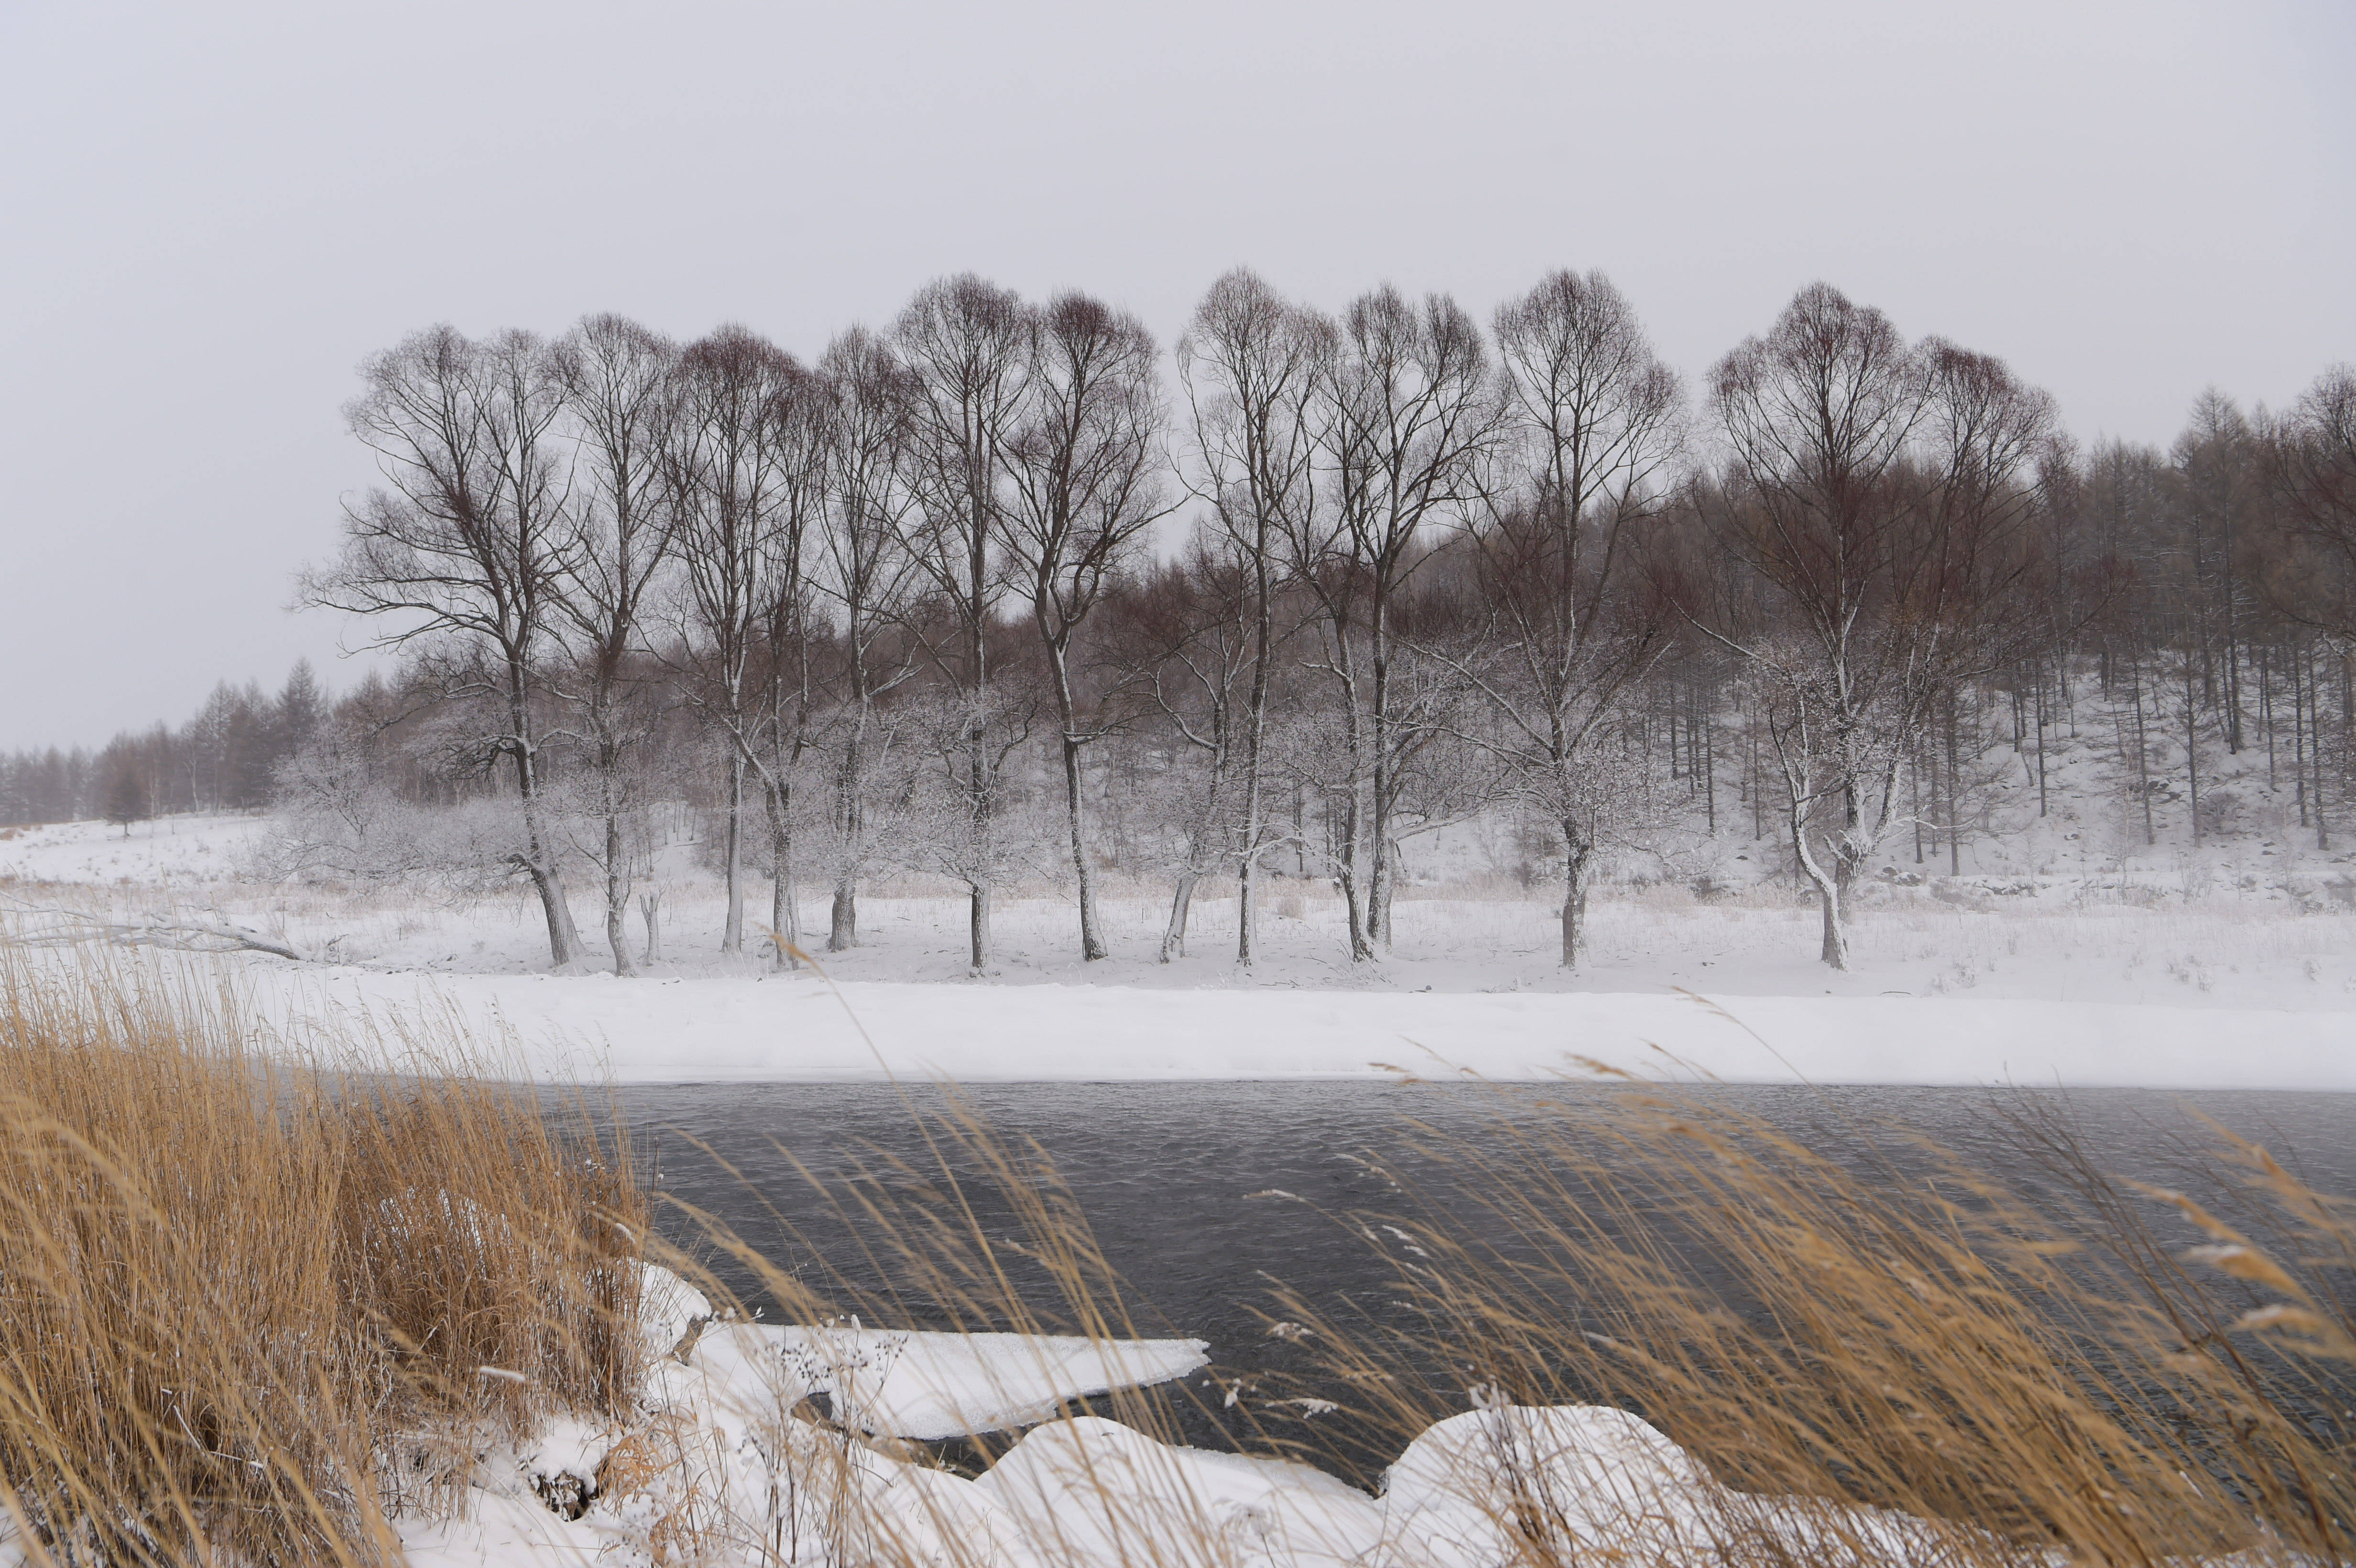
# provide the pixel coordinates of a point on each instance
(563, 941)
(1181, 900)
(732, 937)
(1359, 892)
(1955, 805)
(650, 910)
(1836, 950)
(842, 931)
(1378, 900)
(1244, 909)
(617, 897)
(1092, 946)
(1354, 891)
(1264, 637)
(1830, 885)
(785, 907)
(980, 828)
(1574, 896)
(2143, 761)
(842, 928)
(2193, 754)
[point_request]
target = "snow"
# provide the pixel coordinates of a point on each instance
(1088, 1491)
(172, 852)
(724, 1463)
(1085, 1492)
(2237, 978)
(2061, 960)
(796, 1028)
(505, 1531)
(724, 1448)
(900, 1383)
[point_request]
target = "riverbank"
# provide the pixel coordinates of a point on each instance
(799, 1028)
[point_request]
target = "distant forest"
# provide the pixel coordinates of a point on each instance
(904, 606)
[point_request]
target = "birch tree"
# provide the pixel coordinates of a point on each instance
(869, 496)
(617, 380)
(965, 343)
(1186, 627)
(464, 551)
(1410, 413)
(1593, 429)
(729, 467)
(1086, 464)
(1876, 497)
(1250, 363)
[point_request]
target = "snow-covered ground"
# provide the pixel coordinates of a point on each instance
(2236, 969)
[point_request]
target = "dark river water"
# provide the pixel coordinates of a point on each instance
(1163, 1172)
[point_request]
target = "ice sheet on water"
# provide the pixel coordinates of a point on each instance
(900, 1383)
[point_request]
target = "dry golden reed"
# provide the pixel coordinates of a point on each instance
(1904, 1332)
(244, 1294)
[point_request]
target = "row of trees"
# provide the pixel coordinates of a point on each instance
(1413, 570)
(226, 758)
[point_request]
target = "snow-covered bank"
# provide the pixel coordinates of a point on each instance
(794, 1028)
(726, 1465)
(1082, 1492)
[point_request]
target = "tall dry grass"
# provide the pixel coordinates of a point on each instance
(2107, 1371)
(254, 1301)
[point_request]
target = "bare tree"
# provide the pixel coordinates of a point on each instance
(1409, 411)
(1594, 427)
(870, 496)
(790, 629)
(467, 549)
(730, 463)
(966, 342)
(1250, 363)
(1888, 572)
(1085, 467)
(617, 380)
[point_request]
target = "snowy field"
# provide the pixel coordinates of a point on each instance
(2234, 969)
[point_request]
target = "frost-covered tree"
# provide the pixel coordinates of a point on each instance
(868, 498)
(1250, 363)
(1594, 430)
(744, 487)
(619, 382)
(1086, 462)
(461, 556)
(1877, 494)
(964, 343)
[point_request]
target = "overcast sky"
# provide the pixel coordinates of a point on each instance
(210, 214)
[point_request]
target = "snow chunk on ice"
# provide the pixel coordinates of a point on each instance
(898, 1383)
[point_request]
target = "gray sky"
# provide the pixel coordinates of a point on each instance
(210, 214)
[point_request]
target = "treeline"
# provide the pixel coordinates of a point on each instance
(226, 758)
(1000, 583)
